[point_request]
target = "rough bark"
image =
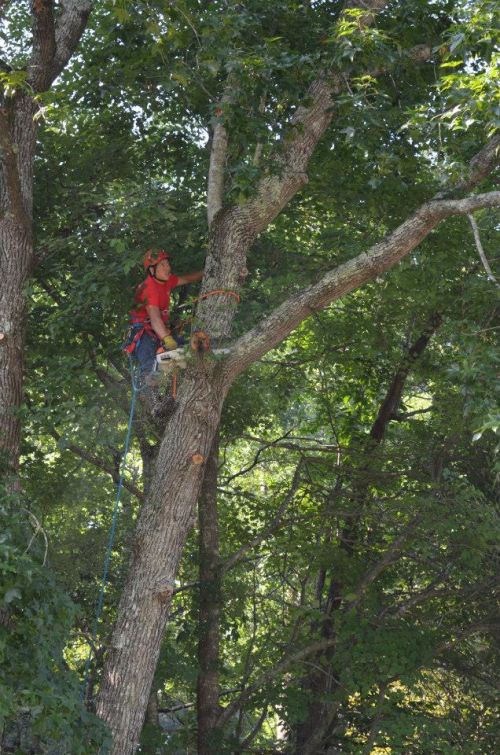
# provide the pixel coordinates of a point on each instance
(167, 516)
(237, 227)
(218, 153)
(210, 606)
(17, 142)
(53, 44)
(163, 526)
(55, 38)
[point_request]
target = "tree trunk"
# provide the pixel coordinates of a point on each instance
(17, 142)
(164, 524)
(210, 609)
(53, 43)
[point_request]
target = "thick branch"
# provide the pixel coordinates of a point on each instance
(44, 44)
(218, 151)
(307, 128)
(349, 276)
(393, 396)
(11, 172)
(242, 224)
(69, 28)
(480, 167)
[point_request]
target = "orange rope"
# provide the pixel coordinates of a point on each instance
(174, 384)
(219, 291)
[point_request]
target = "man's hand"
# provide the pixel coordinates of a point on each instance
(190, 278)
(170, 343)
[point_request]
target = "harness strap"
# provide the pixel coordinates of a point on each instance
(138, 329)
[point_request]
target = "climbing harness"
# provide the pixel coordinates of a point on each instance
(134, 375)
(173, 360)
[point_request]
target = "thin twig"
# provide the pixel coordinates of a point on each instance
(38, 528)
(477, 239)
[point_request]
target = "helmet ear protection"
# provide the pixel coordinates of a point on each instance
(154, 256)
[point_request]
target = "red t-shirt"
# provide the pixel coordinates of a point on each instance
(153, 292)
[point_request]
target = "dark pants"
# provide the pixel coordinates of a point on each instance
(145, 353)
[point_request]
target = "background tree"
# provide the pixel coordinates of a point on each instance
(28, 71)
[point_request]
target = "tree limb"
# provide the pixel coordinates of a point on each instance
(44, 44)
(280, 443)
(393, 395)
(290, 660)
(307, 127)
(349, 276)
(215, 187)
(479, 168)
(245, 744)
(15, 200)
(403, 416)
(276, 188)
(69, 28)
(482, 255)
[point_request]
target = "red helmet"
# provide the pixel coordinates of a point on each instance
(154, 256)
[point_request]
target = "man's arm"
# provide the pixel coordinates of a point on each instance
(157, 323)
(190, 278)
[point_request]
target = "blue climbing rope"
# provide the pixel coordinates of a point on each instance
(105, 572)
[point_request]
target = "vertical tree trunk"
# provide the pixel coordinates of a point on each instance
(53, 42)
(17, 143)
(164, 523)
(210, 609)
(14, 244)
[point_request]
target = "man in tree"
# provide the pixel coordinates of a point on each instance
(150, 315)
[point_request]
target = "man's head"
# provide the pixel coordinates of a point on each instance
(157, 263)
